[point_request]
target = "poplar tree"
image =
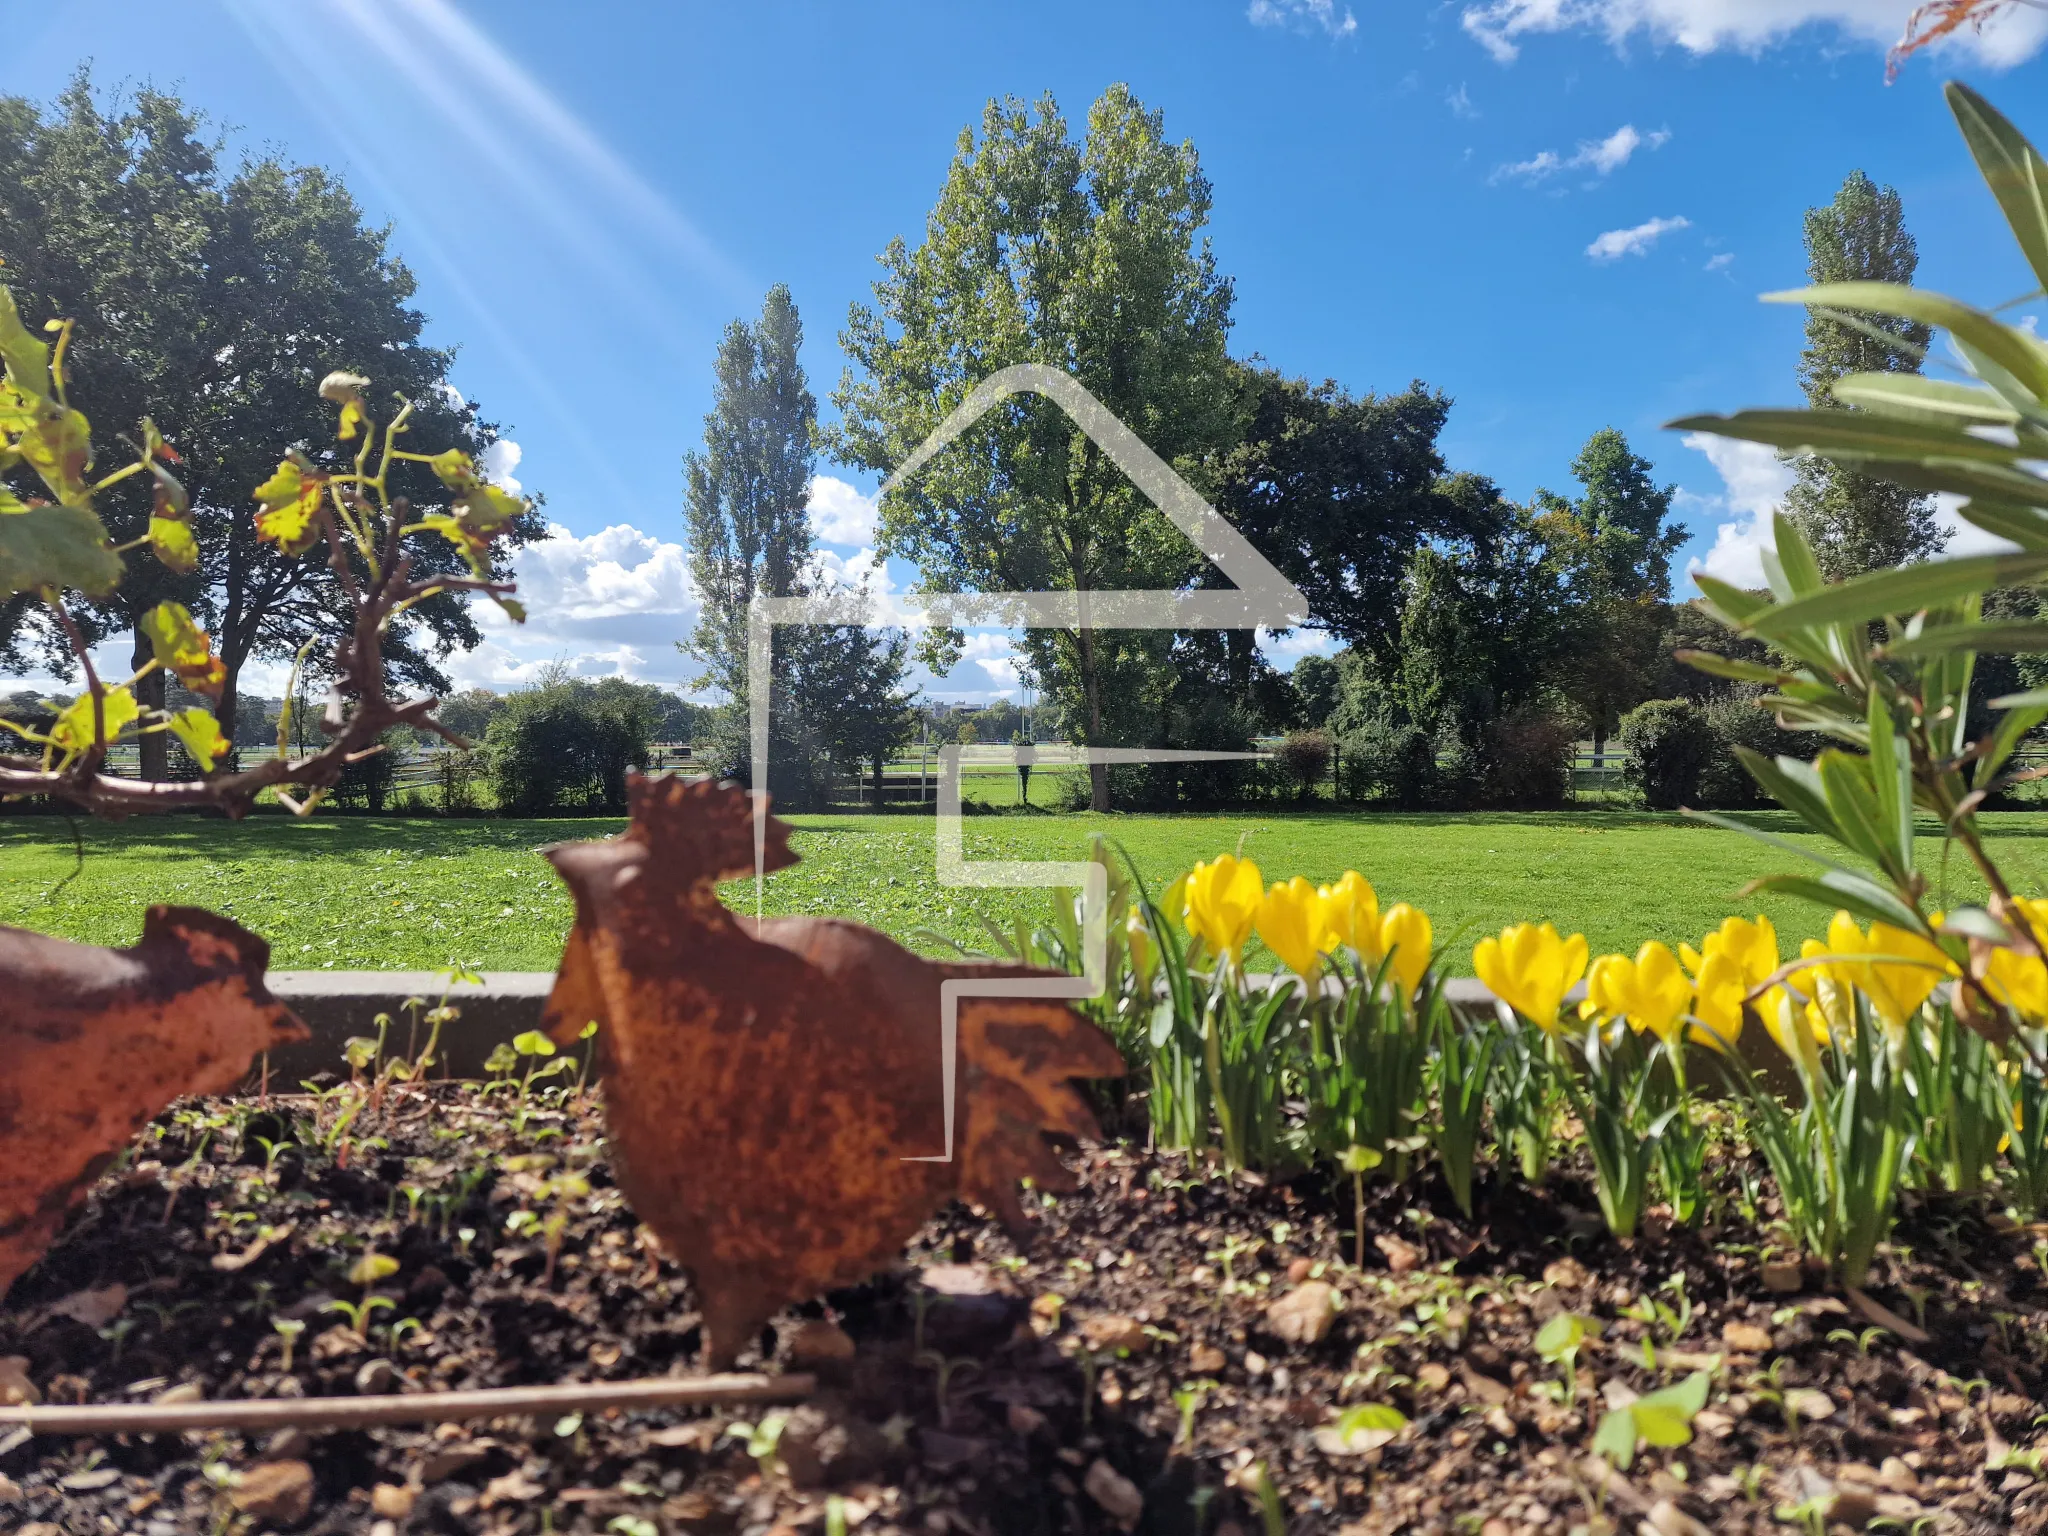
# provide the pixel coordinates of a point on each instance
(1856, 522)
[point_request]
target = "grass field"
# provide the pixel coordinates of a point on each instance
(390, 893)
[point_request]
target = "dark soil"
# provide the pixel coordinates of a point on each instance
(1123, 1374)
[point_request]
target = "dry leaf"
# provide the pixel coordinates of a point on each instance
(98, 1041)
(95, 1309)
(768, 1091)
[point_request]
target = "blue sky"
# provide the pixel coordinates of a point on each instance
(1558, 211)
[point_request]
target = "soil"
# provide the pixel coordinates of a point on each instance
(1165, 1338)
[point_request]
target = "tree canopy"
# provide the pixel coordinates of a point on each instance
(213, 298)
(1087, 255)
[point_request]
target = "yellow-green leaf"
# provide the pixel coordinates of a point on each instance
(174, 545)
(73, 731)
(201, 734)
(27, 357)
(289, 504)
(181, 645)
(56, 546)
(1664, 1418)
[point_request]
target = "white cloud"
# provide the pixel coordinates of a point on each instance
(1460, 102)
(841, 513)
(996, 654)
(1754, 482)
(1723, 260)
(1705, 26)
(611, 603)
(1302, 15)
(1617, 243)
(1602, 157)
(498, 461)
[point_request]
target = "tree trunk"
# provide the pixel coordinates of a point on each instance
(1091, 690)
(1599, 743)
(149, 693)
(879, 761)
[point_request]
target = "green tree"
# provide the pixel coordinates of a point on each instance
(1856, 522)
(1613, 548)
(747, 489)
(835, 690)
(215, 299)
(1339, 491)
(1317, 687)
(569, 742)
(1087, 256)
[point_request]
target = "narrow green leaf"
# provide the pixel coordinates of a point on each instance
(1913, 398)
(2023, 525)
(1783, 844)
(1975, 923)
(1794, 785)
(1717, 665)
(2013, 725)
(2025, 700)
(1795, 555)
(1991, 639)
(1891, 778)
(1862, 897)
(2003, 345)
(2012, 168)
(1864, 435)
(1856, 805)
(1882, 593)
(1735, 604)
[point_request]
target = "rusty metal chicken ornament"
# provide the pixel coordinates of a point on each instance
(768, 1087)
(95, 1042)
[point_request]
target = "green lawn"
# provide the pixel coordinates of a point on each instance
(373, 892)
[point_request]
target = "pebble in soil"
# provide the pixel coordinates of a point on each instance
(1170, 1337)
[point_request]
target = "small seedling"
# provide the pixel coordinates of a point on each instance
(1662, 1418)
(944, 1370)
(1189, 1399)
(761, 1438)
(1559, 1342)
(359, 1313)
(1863, 1341)
(288, 1329)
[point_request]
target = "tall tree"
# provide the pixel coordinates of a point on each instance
(1857, 522)
(835, 694)
(1087, 256)
(214, 300)
(1613, 547)
(747, 489)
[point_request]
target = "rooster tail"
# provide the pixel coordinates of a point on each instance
(1022, 1059)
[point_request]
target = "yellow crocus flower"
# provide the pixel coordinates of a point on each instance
(2021, 981)
(1650, 991)
(1531, 969)
(1832, 1010)
(1721, 984)
(1405, 934)
(1291, 921)
(1222, 899)
(1753, 946)
(1895, 991)
(1351, 912)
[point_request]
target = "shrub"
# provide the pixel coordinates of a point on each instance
(1668, 745)
(567, 743)
(1304, 756)
(365, 784)
(1389, 764)
(1737, 720)
(1526, 760)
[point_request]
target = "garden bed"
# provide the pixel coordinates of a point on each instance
(1130, 1370)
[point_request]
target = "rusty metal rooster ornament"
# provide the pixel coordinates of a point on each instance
(768, 1086)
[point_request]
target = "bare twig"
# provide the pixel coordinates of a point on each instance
(410, 1408)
